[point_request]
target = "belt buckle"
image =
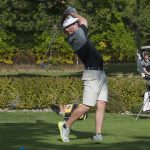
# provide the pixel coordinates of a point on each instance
(93, 68)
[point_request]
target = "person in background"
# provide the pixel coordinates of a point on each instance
(146, 64)
(95, 83)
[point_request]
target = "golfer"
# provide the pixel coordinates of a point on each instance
(94, 78)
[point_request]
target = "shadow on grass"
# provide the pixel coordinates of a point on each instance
(111, 69)
(20, 75)
(123, 68)
(45, 136)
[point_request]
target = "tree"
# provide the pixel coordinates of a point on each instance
(136, 16)
(27, 18)
(108, 27)
(116, 27)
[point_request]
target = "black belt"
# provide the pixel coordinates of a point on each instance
(93, 68)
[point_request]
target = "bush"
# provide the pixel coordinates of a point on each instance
(42, 92)
(24, 57)
(125, 92)
(38, 92)
(136, 108)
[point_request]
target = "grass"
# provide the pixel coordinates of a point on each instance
(74, 70)
(36, 73)
(38, 131)
(121, 68)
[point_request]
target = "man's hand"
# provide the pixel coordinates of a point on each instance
(70, 10)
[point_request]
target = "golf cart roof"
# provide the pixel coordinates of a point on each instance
(145, 47)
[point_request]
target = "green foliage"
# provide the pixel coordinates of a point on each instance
(122, 43)
(27, 25)
(26, 18)
(6, 49)
(24, 57)
(136, 16)
(41, 92)
(136, 108)
(6, 92)
(125, 92)
(38, 92)
(53, 48)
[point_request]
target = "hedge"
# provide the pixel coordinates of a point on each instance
(125, 93)
(42, 92)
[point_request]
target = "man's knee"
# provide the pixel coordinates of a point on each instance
(101, 103)
(86, 107)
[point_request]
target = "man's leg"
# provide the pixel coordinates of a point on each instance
(100, 112)
(64, 127)
(77, 113)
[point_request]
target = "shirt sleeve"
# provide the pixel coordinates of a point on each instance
(78, 39)
(143, 64)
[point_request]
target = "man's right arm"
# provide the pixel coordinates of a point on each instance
(72, 11)
(82, 20)
(146, 72)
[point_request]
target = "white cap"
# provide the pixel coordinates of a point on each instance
(69, 20)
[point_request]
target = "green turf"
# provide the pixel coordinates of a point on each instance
(111, 69)
(38, 131)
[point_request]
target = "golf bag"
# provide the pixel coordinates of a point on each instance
(70, 108)
(146, 103)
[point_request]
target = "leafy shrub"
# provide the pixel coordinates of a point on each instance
(136, 108)
(42, 92)
(24, 57)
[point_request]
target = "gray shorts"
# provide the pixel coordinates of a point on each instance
(95, 87)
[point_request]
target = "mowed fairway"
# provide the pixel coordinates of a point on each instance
(39, 131)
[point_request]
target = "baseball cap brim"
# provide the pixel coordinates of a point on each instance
(69, 21)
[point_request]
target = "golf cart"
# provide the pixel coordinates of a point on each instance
(145, 50)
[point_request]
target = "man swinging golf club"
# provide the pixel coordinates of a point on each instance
(94, 78)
